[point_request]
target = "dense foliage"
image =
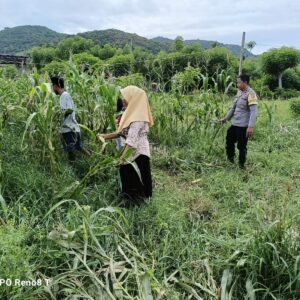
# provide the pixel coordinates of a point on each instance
(211, 231)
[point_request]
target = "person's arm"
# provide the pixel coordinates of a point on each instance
(252, 101)
(230, 113)
(108, 136)
(68, 112)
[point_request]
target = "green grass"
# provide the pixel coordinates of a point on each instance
(211, 231)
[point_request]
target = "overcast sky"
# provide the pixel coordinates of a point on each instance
(271, 23)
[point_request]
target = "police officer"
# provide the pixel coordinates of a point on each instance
(243, 116)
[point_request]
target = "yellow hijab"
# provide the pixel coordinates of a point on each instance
(138, 108)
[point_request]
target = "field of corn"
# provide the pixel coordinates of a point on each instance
(211, 231)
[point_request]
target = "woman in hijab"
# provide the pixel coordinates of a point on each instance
(134, 126)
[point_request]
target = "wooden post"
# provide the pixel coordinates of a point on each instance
(242, 53)
(22, 67)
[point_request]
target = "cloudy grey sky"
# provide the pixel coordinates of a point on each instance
(271, 23)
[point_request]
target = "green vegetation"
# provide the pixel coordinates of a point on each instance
(161, 61)
(21, 38)
(276, 61)
(120, 39)
(275, 74)
(211, 231)
(295, 106)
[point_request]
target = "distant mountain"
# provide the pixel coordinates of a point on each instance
(21, 38)
(161, 39)
(236, 49)
(17, 39)
(118, 38)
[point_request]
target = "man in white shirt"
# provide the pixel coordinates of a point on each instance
(71, 137)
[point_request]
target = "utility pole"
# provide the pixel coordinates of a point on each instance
(131, 52)
(22, 67)
(242, 53)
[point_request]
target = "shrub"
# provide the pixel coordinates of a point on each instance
(295, 106)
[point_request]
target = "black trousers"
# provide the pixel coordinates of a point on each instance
(237, 135)
(133, 189)
(72, 141)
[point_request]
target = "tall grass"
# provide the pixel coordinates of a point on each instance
(210, 231)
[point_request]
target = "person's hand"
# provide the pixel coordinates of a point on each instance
(249, 132)
(223, 121)
(122, 160)
(101, 135)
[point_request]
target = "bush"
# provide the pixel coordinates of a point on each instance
(42, 56)
(103, 53)
(218, 59)
(56, 68)
(262, 89)
(187, 80)
(120, 65)
(291, 79)
(286, 93)
(295, 107)
(10, 72)
(73, 45)
(132, 79)
(86, 61)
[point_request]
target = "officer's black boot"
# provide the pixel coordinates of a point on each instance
(242, 158)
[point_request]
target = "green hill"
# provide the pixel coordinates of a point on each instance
(204, 44)
(118, 38)
(20, 38)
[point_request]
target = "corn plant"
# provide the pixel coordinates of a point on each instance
(95, 99)
(41, 129)
(177, 115)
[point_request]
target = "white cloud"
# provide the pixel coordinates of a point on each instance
(270, 22)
